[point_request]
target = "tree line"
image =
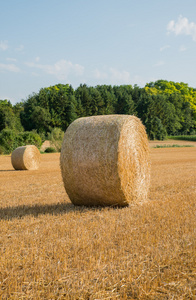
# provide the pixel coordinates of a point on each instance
(164, 107)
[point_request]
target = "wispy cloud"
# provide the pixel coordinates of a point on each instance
(11, 59)
(164, 48)
(159, 63)
(120, 76)
(20, 48)
(182, 26)
(141, 81)
(100, 74)
(113, 75)
(9, 68)
(35, 74)
(182, 48)
(3, 45)
(62, 69)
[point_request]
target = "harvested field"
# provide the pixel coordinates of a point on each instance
(50, 249)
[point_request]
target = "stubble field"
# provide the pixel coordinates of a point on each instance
(50, 249)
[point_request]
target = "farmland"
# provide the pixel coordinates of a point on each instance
(50, 249)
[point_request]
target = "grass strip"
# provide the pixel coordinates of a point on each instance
(183, 137)
(172, 146)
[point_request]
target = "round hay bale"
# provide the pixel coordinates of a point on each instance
(105, 161)
(26, 158)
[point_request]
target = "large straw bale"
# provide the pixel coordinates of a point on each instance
(26, 158)
(105, 161)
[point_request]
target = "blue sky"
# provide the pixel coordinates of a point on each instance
(46, 42)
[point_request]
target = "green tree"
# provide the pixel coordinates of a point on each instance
(71, 110)
(17, 109)
(97, 103)
(49, 108)
(10, 140)
(124, 103)
(155, 113)
(8, 116)
(82, 93)
(171, 87)
(156, 130)
(108, 97)
(26, 114)
(7, 140)
(40, 119)
(56, 138)
(165, 107)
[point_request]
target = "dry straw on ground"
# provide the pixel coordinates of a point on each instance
(50, 249)
(26, 158)
(105, 161)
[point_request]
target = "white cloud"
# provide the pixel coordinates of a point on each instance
(182, 48)
(113, 75)
(137, 79)
(20, 48)
(35, 74)
(9, 68)
(62, 69)
(3, 45)
(182, 26)
(164, 48)
(159, 63)
(100, 74)
(11, 59)
(120, 76)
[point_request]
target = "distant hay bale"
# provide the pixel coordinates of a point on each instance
(26, 158)
(105, 161)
